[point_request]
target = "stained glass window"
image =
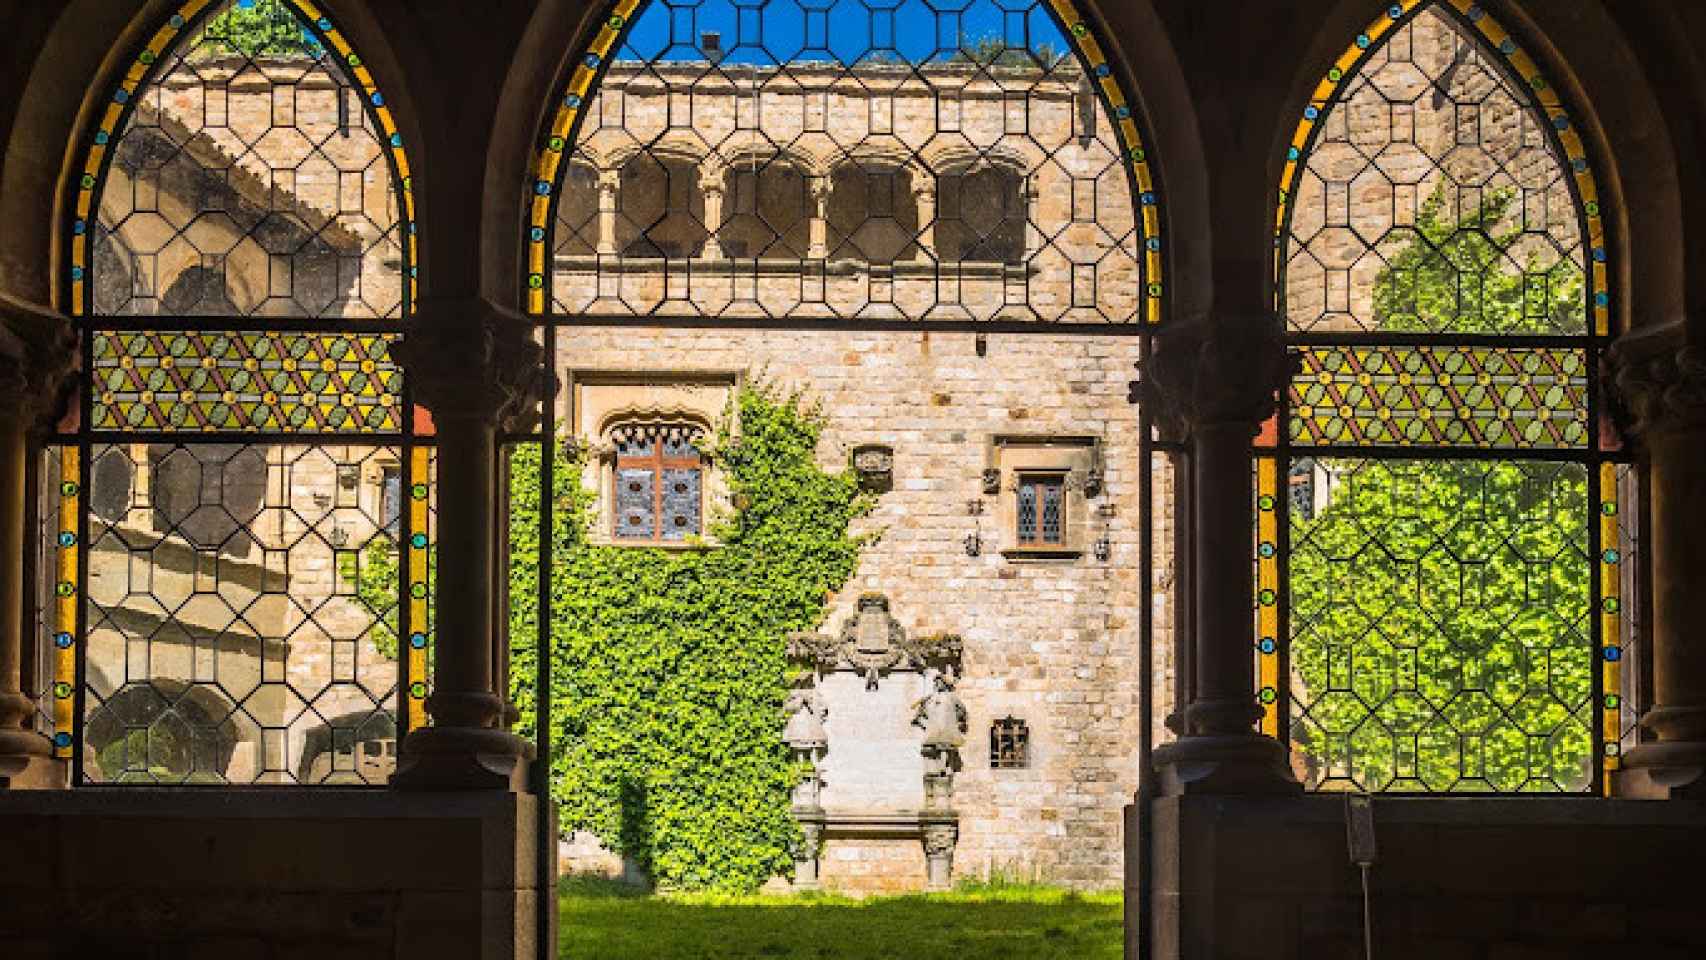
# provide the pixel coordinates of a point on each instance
(659, 482)
(1433, 585)
(241, 539)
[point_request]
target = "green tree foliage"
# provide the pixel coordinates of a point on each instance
(1439, 609)
(668, 672)
(257, 28)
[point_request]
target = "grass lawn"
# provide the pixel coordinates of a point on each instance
(600, 922)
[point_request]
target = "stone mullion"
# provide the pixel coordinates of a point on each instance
(476, 369)
(1660, 380)
(36, 349)
(1211, 384)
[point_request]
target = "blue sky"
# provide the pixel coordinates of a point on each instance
(777, 31)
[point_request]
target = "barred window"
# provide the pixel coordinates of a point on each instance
(1009, 744)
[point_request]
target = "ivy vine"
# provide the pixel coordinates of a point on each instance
(668, 672)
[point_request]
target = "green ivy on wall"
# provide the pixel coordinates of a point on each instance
(668, 673)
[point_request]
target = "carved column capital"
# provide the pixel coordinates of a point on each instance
(37, 351)
(1659, 379)
(1213, 372)
(470, 359)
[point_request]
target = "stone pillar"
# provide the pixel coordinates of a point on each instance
(818, 237)
(476, 368)
(1212, 382)
(711, 188)
(924, 201)
(1660, 378)
(609, 182)
(36, 350)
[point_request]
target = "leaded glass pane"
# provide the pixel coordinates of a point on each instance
(249, 179)
(1440, 624)
(635, 504)
(241, 613)
(1436, 195)
(680, 503)
(865, 161)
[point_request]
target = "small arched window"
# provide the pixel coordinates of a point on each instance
(659, 482)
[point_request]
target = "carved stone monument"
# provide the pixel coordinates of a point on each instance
(877, 726)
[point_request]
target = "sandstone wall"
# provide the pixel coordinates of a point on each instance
(1051, 641)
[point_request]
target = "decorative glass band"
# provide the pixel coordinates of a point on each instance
(419, 582)
(66, 597)
(1440, 396)
(1544, 97)
(1611, 622)
(1267, 593)
(245, 381)
(110, 122)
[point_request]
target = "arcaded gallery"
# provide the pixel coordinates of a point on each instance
(852, 479)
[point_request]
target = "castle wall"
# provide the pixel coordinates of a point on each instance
(1051, 641)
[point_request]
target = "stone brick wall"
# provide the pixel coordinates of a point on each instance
(1051, 641)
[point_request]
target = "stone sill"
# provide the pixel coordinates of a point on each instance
(870, 825)
(1027, 554)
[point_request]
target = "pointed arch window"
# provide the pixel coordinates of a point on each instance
(1442, 516)
(240, 524)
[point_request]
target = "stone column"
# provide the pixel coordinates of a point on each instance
(36, 350)
(924, 201)
(1660, 379)
(818, 237)
(711, 188)
(476, 368)
(1212, 382)
(609, 182)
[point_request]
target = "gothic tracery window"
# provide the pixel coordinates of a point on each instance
(1439, 498)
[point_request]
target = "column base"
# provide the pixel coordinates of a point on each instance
(463, 758)
(1232, 764)
(1664, 771)
(27, 762)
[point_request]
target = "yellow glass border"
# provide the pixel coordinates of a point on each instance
(1545, 98)
(67, 598)
(575, 94)
(1611, 623)
(106, 129)
(420, 583)
(1267, 593)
